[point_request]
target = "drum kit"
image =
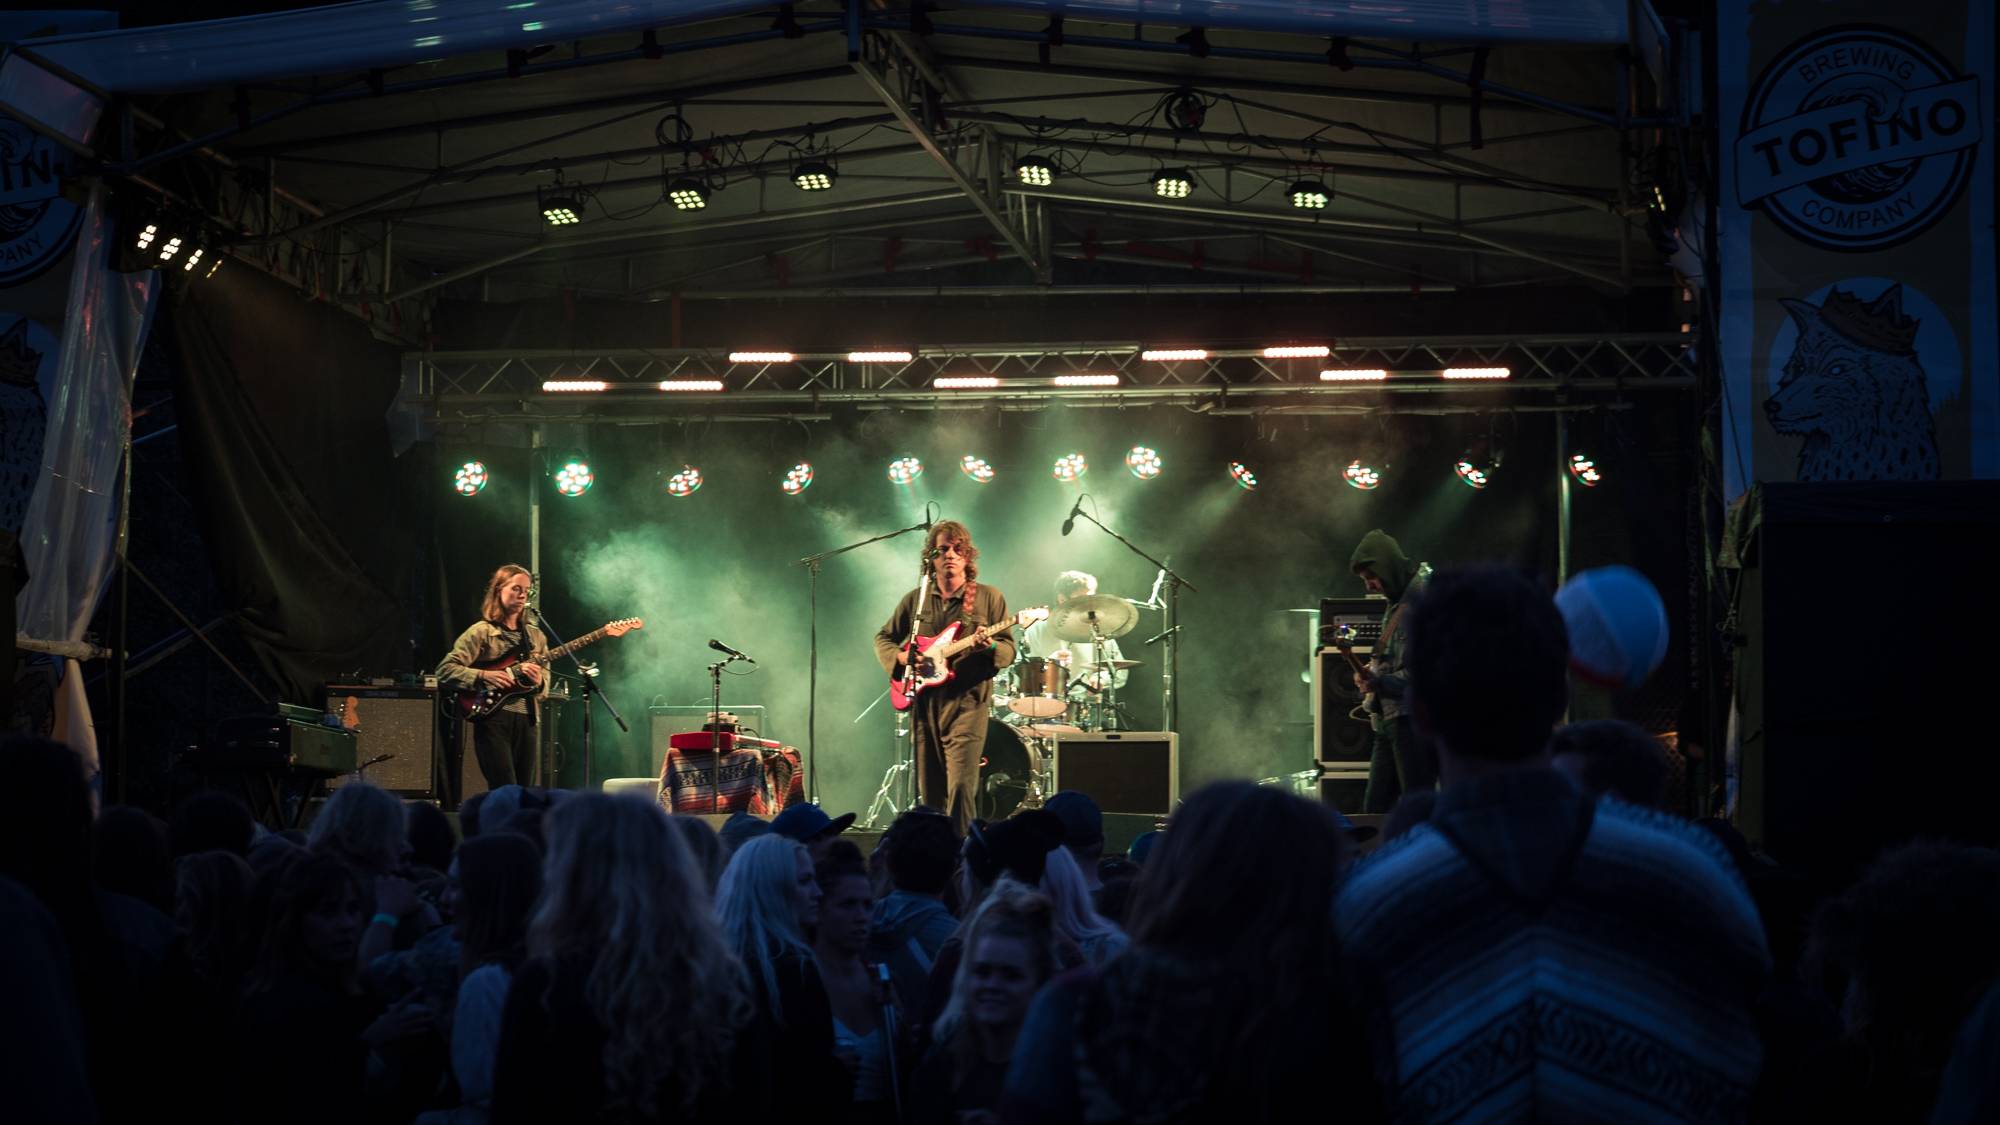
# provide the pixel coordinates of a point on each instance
(1041, 697)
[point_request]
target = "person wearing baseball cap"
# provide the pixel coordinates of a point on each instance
(1083, 831)
(809, 825)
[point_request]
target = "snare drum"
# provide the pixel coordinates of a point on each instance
(1038, 688)
(1009, 770)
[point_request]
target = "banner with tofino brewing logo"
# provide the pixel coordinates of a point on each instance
(1857, 325)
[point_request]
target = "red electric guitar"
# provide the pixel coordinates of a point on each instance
(930, 657)
(484, 700)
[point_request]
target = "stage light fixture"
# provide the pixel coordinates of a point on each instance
(1035, 171)
(905, 470)
(1359, 474)
(1173, 355)
(687, 193)
(814, 175)
(1476, 372)
(573, 386)
(574, 478)
(562, 204)
(1298, 351)
(1070, 467)
(964, 383)
(685, 385)
(1309, 195)
(761, 357)
(976, 468)
(880, 357)
(1359, 375)
(1585, 471)
(1085, 381)
(1242, 477)
(471, 478)
(1173, 183)
(797, 479)
(1475, 475)
(1144, 462)
(685, 483)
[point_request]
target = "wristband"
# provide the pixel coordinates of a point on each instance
(391, 919)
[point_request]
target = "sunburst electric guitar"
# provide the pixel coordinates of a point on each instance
(929, 658)
(482, 701)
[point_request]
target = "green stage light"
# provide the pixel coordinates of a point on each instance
(471, 478)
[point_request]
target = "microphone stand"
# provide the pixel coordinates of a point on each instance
(812, 565)
(1169, 702)
(588, 674)
(715, 732)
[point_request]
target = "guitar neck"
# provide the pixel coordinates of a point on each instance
(589, 638)
(1354, 661)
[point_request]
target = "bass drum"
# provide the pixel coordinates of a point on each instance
(1006, 771)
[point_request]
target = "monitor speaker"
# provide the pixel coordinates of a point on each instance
(400, 722)
(1124, 771)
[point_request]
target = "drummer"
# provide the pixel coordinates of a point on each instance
(1080, 657)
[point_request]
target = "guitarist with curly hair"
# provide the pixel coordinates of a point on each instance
(948, 716)
(505, 741)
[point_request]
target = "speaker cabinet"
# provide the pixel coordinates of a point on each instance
(1866, 616)
(1123, 771)
(398, 721)
(1338, 737)
(668, 721)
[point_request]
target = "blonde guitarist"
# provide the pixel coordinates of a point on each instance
(948, 721)
(505, 742)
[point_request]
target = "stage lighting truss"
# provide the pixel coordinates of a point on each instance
(797, 479)
(976, 469)
(1310, 195)
(905, 470)
(1071, 467)
(685, 483)
(814, 175)
(1585, 470)
(574, 477)
(471, 478)
(1362, 475)
(1144, 462)
(561, 204)
(1036, 171)
(687, 193)
(1173, 183)
(1241, 476)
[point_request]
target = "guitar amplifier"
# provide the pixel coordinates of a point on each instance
(1341, 743)
(398, 721)
(1125, 771)
(1362, 615)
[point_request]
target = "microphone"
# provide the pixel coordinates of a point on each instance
(1070, 523)
(723, 648)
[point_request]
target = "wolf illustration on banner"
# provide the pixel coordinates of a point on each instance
(1855, 388)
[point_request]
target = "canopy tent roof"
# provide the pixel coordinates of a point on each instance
(396, 152)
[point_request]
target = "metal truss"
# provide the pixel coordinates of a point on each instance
(1551, 371)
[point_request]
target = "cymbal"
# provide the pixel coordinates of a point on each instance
(1114, 617)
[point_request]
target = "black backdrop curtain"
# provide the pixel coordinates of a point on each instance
(281, 406)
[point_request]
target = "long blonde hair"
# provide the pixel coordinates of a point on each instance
(363, 826)
(621, 888)
(491, 609)
(754, 903)
(1011, 909)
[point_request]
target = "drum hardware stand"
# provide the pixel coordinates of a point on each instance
(899, 780)
(812, 565)
(588, 674)
(1170, 635)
